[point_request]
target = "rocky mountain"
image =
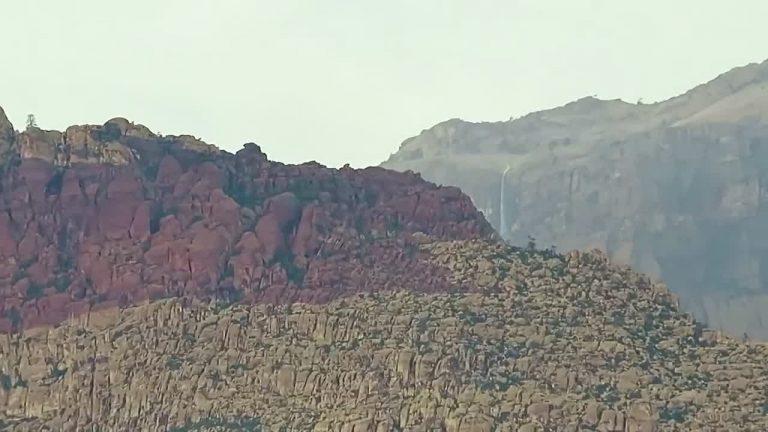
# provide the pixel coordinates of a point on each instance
(524, 341)
(157, 283)
(99, 216)
(678, 189)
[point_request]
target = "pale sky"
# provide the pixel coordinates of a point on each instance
(347, 81)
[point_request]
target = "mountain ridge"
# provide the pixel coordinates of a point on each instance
(724, 85)
(113, 214)
(547, 342)
(628, 178)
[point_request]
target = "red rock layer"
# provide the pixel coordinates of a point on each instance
(211, 225)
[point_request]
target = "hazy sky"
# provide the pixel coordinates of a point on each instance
(347, 81)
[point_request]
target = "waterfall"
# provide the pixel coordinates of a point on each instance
(502, 213)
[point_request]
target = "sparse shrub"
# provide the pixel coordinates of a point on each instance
(674, 414)
(58, 373)
(286, 259)
(240, 424)
(606, 393)
(531, 246)
(422, 325)
(54, 185)
(174, 362)
(5, 382)
(31, 121)
(473, 317)
(62, 283)
(34, 291)
(394, 225)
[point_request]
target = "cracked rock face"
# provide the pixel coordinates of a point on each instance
(113, 215)
(526, 341)
(677, 189)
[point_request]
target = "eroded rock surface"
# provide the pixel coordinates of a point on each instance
(112, 215)
(526, 341)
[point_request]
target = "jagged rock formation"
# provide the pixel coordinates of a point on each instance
(157, 283)
(112, 215)
(526, 341)
(7, 134)
(677, 189)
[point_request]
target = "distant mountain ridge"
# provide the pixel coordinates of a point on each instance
(675, 188)
(736, 97)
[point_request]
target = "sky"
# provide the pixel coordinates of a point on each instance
(346, 81)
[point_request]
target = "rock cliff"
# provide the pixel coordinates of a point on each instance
(111, 215)
(677, 188)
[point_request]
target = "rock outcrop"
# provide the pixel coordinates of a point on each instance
(7, 134)
(113, 215)
(677, 188)
(526, 341)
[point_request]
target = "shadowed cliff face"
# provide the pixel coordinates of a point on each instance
(677, 189)
(111, 215)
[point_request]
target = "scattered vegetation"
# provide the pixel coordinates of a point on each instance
(174, 362)
(531, 246)
(606, 393)
(6, 382)
(394, 225)
(239, 367)
(304, 190)
(244, 197)
(58, 373)
(226, 297)
(240, 424)
(472, 317)
(108, 132)
(411, 249)
(34, 291)
(31, 121)
(498, 383)
(675, 414)
(62, 283)
(14, 316)
(53, 187)
(285, 258)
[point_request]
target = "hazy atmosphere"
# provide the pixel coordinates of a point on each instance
(347, 81)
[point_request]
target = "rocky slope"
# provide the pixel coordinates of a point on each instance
(677, 189)
(157, 283)
(526, 341)
(102, 216)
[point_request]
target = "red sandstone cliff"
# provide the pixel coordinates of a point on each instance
(98, 216)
